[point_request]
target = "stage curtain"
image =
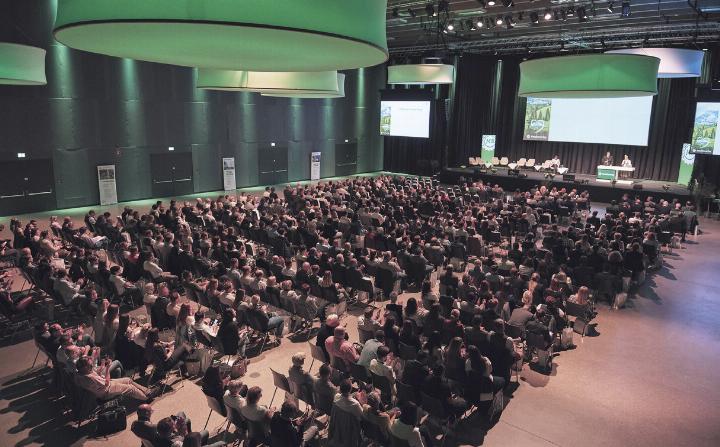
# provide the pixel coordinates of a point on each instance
(478, 110)
(422, 156)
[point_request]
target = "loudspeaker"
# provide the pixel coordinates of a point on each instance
(568, 177)
(515, 172)
(637, 186)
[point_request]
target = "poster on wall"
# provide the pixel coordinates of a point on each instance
(315, 166)
(106, 184)
(229, 174)
(687, 163)
(488, 148)
(537, 119)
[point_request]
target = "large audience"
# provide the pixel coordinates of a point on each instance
(195, 288)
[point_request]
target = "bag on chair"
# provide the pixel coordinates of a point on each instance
(566, 338)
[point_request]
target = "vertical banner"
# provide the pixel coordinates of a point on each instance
(229, 174)
(106, 184)
(488, 148)
(687, 163)
(537, 119)
(315, 166)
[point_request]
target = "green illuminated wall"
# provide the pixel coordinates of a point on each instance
(98, 110)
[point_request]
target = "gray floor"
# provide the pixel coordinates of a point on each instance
(649, 379)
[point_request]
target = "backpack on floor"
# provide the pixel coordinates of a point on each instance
(111, 418)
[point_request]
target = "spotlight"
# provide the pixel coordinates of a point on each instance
(480, 23)
(571, 12)
(491, 3)
(499, 20)
(611, 7)
(395, 13)
(509, 22)
(625, 9)
(430, 10)
(450, 26)
(21, 155)
(534, 18)
(508, 3)
(548, 15)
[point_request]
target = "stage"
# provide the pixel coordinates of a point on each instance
(599, 191)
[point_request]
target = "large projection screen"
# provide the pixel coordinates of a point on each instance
(704, 138)
(623, 121)
(405, 118)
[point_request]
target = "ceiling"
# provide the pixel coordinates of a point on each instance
(412, 31)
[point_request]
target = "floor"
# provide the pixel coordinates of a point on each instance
(650, 378)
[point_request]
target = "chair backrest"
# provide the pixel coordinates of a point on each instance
(407, 352)
(236, 418)
(495, 161)
(365, 335)
(317, 353)
(504, 161)
(522, 161)
(405, 392)
(323, 404)
(359, 373)
(513, 331)
(373, 431)
(257, 431)
(530, 162)
(383, 384)
(281, 381)
(536, 341)
(215, 406)
(575, 310)
(433, 406)
(338, 364)
(472, 161)
(398, 442)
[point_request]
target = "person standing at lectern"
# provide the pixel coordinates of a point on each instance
(626, 163)
(607, 160)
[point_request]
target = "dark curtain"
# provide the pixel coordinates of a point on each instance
(422, 156)
(481, 109)
(476, 104)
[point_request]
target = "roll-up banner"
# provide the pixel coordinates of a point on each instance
(106, 184)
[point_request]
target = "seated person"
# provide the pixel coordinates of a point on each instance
(266, 319)
(338, 347)
(369, 350)
(301, 382)
(235, 395)
(106, 388)
(255, 412)
(405, 427)
(288, 430)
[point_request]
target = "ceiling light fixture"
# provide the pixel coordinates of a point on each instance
(280, 36)
(548, 15)
(22, 65)
(534, 19)
(499, 20)
(611, 7)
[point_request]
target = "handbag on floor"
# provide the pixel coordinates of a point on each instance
(111, 418)
(620, 300)
(566, 338)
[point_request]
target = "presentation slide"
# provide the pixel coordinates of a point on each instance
(589, 120)
(405, 118)
(704, 139)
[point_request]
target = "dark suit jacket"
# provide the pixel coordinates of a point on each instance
(144, 430)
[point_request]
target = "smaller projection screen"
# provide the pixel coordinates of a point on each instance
(405, 114)
(704, 137)
(589, 120)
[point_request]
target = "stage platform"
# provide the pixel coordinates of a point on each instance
(599, 191)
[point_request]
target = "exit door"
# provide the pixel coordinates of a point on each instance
(172, 174)
(272, 165)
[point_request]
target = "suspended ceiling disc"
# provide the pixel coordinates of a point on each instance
(339, 93)
(589, 76)
(674, 62)
(421, 74)
(269, 35)
(268, 81)
(22, 65)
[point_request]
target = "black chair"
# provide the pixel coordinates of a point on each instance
(397, 442)
(323, 404)
(436, 409)
(407, 352)
(365, 335)
(359, 373)
(382, 383)
(215, 406)
(317, 353)
(581, 313)
(385, 281)
(373, 432)
(280, 381)
(405, 392)
(513, 331)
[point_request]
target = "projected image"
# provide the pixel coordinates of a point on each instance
(589, 120)
(405, 118)
(704, 139)
(537, 119)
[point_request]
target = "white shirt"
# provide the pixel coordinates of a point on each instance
(153, 268)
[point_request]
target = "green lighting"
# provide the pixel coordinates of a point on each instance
(268, 35)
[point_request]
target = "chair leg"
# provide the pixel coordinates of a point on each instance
(273, 397)
(208, 420)
(36, 357)
(311, 365)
